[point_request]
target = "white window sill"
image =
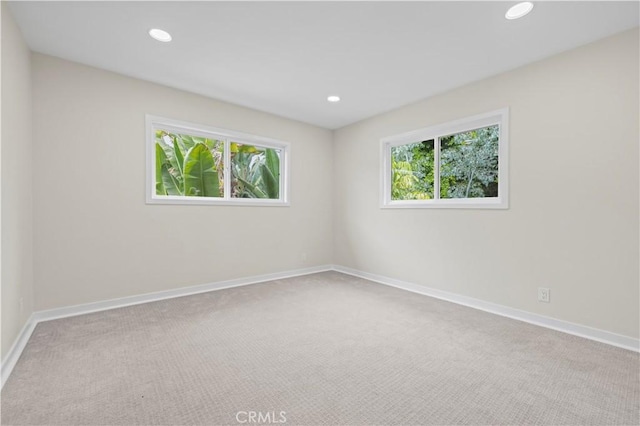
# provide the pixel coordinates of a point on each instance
(202, 201)
(486, 203)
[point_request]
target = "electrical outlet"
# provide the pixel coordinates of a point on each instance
(544, 295)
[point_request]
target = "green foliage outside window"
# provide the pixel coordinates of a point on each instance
(194, 166)
(413, 171)
(468, 166)
(188, 165)
(255, 172)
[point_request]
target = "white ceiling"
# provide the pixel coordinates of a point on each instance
(287, 57)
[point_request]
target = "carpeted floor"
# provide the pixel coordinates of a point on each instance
(323, 349)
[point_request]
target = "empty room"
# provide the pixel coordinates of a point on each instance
(320, 213)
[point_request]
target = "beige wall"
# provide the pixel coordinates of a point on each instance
(96, 239)
(573, 221)
(17, 235)
(572, 225)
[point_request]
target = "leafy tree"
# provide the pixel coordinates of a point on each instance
(404, 181)
(412, 167)
(469, 164)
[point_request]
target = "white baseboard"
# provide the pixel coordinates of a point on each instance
(602, 336)
(14, 353)
(16, 350)
(564, 326)
(87, 308)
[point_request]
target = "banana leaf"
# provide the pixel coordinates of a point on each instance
(161, 159)
(272, 160)
(252, 190)
(270, 183)
(200, 175)
(171, 183)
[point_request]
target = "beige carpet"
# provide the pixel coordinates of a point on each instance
(325, 349)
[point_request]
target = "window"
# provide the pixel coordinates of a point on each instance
(462, 164)
(194, 164)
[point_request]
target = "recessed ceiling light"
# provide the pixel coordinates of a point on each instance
(160, 35)
(519, 10)
(333, 98)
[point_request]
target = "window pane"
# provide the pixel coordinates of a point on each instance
(188, 165)
(469, 164)
(255, 171)
(412, 171)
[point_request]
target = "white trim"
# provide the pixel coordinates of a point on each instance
(448, 203)
(586, 332)
(208, 201)
(445, 129)
(499, 117)
(436, 168)
(71, 311)
(564, 326)
(11, 359)
(105, 305)
(206, 131)
(152, 122)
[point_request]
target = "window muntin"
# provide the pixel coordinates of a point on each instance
(462, 164)
(194, 164)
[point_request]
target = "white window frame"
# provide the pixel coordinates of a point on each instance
(499, 117)
(154, 123)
